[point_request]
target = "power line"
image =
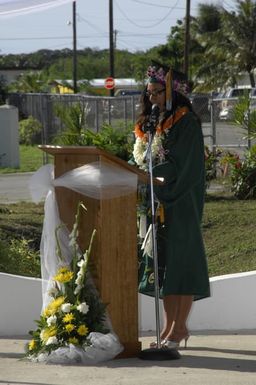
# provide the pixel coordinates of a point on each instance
(148, 26)
(80, 18)
(49, 38)
(157, 4)
(103, 35)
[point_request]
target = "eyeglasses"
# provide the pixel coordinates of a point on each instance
(154, 93)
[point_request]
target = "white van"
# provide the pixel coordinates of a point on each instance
(230, 98)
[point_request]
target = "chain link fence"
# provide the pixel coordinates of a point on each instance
(218, 127)
(117, 111)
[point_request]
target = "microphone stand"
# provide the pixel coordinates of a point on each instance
(158, 353)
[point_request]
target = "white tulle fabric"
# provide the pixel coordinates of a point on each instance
(103, 347)
(96, 180)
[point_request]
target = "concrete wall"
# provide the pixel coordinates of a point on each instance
(20, 304)
(9, 134)
(231, 306)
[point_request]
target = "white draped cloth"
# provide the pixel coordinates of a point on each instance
(96, 180)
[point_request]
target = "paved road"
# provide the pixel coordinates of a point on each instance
(231, 136)
(14, 187)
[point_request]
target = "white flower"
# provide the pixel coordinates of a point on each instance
(66, 307)
(79, 280)
(51, 320)
(42, 335)
(53, 291)
(140, 148)
(83, 308)
(72, 242)
(77, 289)
(81, 263)
(51, 341)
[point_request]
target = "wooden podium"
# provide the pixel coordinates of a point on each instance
(114, 252)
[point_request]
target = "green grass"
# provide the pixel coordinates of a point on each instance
(228, 230)
(229, 235)
(31, 158)
(20, 234)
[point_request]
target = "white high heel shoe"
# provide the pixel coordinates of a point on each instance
(153, 345)
(171, 344)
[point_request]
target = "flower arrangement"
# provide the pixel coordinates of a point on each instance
(74, 311)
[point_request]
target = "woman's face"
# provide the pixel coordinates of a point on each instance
(156, 94)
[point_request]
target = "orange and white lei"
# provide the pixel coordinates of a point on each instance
(157, 149)
(140, 149)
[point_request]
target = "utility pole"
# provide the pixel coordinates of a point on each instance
(111, 45)
(187, 38)
(74, 49)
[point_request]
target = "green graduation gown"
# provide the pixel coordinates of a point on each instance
(179, 240)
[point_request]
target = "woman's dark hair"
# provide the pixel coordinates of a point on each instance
(178, 100)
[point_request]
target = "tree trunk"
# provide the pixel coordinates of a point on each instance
(252, 80)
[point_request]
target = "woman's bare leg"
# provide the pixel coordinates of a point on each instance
(170, 309)
(179, 330)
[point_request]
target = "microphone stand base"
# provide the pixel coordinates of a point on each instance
(159, 354)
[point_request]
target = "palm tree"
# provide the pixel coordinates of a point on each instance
(34, 82)
(229, 42)
(213, 68)
(240, 30)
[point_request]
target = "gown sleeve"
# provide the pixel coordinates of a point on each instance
(185, 165)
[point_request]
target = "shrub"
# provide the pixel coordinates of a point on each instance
(73, 118)
(245, 115)
(117, 140)
(243, 175)
(29, 131)
(211, 163)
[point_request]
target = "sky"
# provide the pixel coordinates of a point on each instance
(138, 25)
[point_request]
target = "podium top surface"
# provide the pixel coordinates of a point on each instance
(92, 150)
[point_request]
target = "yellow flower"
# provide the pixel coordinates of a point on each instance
(73, 340)
(54, 306)
(82, 330)
(68, 318)
(63, 269)
(47, 312)
(32, 345)
(70, 327)
(63, 275)
(47, 333)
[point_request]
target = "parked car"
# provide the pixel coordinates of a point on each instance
(124, 92)
(230, 98)
(226, 113)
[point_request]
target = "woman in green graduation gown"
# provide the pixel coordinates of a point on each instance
(178, 158)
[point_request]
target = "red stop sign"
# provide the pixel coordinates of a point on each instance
(109, 83)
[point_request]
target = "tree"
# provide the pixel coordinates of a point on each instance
(227, 50)
(212, 69)
(242, 38)
(29, 82)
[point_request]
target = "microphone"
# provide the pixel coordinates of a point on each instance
(153, 118)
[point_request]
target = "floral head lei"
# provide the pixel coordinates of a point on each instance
(173, 81)
(156, 75)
